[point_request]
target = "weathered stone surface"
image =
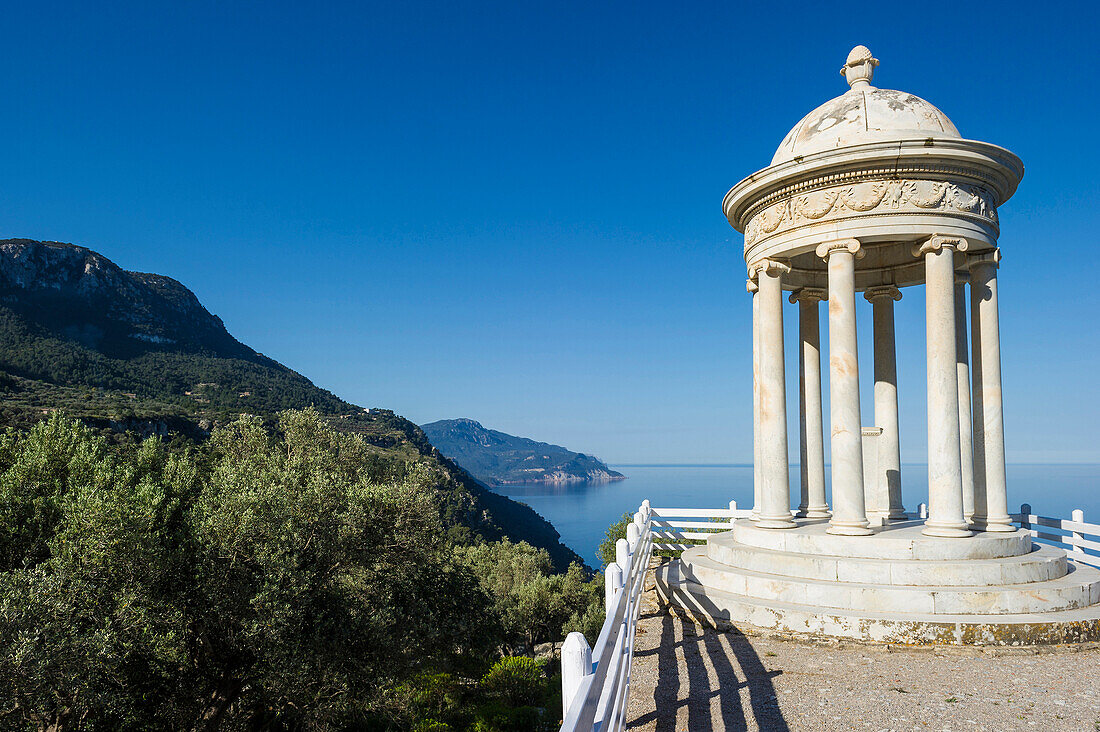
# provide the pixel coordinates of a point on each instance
(1040, 564)
(991, 588)
(717, 608)
(1073, 590)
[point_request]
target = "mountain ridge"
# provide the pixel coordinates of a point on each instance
(137, 354)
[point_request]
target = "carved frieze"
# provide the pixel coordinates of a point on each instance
(878, 196)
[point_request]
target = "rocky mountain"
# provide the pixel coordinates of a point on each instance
(497, 458)
(137, 354)
(71, 317)
(94, 302)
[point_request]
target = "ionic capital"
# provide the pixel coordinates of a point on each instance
(769, 267)
(809, 294)
(886, 291)
(936, 243)
(851, 246)
(993, 256)
(751, 286)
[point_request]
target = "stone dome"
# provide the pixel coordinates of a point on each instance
(864, 114)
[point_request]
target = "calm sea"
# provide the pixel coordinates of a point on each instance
(582, 511)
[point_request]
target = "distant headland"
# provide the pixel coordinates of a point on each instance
(497, 458)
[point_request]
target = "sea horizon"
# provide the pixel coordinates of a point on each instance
(827, 464)
(581, 511)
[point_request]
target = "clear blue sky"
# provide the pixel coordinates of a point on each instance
(512, 211)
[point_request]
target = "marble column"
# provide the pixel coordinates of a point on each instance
(752, 288)
(962, 367)
(812, 502)
(888, 481)
(775, 483)
(945, 495)
(849, 508)
(990, 482)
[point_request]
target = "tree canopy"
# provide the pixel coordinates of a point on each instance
(269, 578)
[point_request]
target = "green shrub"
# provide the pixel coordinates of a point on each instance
(517, 680)
(497, 717)
(616, 531)
(434, 696)
(431, 725)
(532, 603)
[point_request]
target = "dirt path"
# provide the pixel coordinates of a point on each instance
(685, 678)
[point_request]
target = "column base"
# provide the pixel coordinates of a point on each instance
(817, 512)
(984, 524)
(775, 523)
(850, 529)
(951, 531)
(897, 514)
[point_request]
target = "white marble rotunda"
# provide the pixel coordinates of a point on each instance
(872, 192)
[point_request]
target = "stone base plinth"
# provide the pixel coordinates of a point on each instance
(897, 586)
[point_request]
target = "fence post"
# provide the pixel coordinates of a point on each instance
(639, 519)
(733, 511)
(633, 533)
(1025, 516)
(645, 508)
(922, 510)
(622, 556)
(612, 581)
(1079, 516)
(576, 663)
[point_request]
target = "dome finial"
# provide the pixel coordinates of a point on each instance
(859, 68)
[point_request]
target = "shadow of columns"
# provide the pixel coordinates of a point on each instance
(762, 696)
(729, 687)
(699, 681)
(666, 696)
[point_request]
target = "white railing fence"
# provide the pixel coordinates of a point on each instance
(669, 525)
(1071, 535)
(596, 681)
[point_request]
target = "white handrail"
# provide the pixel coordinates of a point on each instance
(1079, 549)
(597, 701)
(596, 682)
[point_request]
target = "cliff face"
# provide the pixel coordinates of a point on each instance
(498, 458)
(79, 294)
(72, 318)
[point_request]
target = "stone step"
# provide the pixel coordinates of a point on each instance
(719, 608)
(1078, 588)
(900, 540)
(1039, 565)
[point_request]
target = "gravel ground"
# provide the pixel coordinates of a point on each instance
(689, 678)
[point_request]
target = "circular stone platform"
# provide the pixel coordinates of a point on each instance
(896, 586)
(897, 540)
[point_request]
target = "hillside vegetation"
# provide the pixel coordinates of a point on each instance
(135, 355)
(265, 579)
